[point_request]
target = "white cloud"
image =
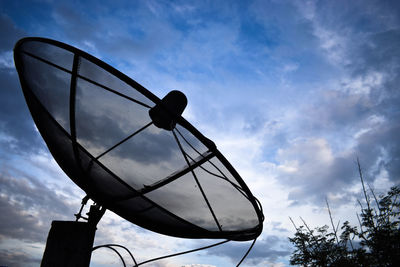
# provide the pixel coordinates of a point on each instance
(198, 265)
(290, 67)
(334, 44)
(6, 60)
(307, 151)
(363, 85)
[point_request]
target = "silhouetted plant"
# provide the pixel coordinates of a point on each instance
(375, 243)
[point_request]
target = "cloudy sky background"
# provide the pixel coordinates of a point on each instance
(292, 92)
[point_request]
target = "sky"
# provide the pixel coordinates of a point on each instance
(291, 92)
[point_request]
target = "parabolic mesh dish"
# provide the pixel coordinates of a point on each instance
(95, 121)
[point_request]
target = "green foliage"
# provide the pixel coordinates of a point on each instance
(375, 242)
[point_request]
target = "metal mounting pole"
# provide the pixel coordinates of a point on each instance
(70, 243)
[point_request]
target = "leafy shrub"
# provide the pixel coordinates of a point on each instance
(375, 242)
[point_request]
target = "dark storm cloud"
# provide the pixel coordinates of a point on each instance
(381, 147)
(10, 33)
(16, 258)
(27, 207)
(379, 51)
(363, 108)
(382, 54)
(312, 171)
(380, 144)
(277, 226)
(269, 249)
(337, 110)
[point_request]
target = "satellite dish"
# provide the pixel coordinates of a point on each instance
(130, 151)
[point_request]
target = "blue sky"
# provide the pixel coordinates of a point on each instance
(292, 92)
